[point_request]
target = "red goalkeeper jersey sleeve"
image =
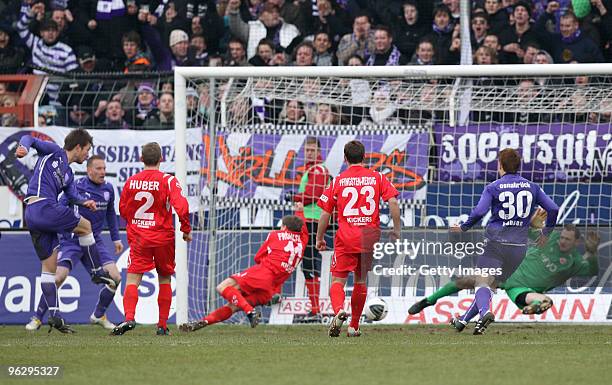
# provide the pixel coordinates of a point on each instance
(146, 204)
(356, 194)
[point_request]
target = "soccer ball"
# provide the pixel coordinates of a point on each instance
(376, 309)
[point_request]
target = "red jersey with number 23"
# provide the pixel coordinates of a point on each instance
(356, 194)
(146, 204)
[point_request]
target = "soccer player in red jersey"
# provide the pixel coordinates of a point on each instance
(146, 202)
(356, 195)
(275, 261)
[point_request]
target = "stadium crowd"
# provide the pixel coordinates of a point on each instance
(68, 37)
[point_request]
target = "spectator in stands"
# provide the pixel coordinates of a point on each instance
(237, 53)
(520, 32)
(293, 113)
(485, 55)
(269, 25)
(265, 53)
(204, 19)
(114, 116)
(480, 27)
(179, 45)
(11, 55)
(360, 42)
(324, 56)
(326, 114)
(63, 18)
(108, 21)
(385, 53)
(78, 111)
(492, 41)
(146, 104)
(8, 119)
(191, 100)
(48, 54)
(425, 53)
(602, 19)
(304, 54)
(135, 58)
(298, 13)
(162, 118)
(198, 50)
(531, 48)
(330, 18)
(355, 60)
(88, 62)
(570, 44)
(527, 96)
(498, 17)
(382, 111)
(408, 30)
(543, 57)
(442, 35)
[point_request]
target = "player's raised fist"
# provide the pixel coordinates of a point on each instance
(90, 204)
(187, 237)
(21, 152)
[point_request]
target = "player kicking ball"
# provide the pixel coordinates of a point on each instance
(542, 270)
(275, 261)
(355, 194)
(512, 201)
(46, 218)
(146, 204)
(103, 193)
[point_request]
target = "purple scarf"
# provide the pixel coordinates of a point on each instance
(572, 38)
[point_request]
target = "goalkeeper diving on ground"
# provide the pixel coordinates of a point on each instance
(542, 269)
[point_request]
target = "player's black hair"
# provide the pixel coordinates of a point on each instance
(94, 158)
(151, 154)
(354, 152)
(510, 160)
(78, 137)
(293, 223)
(572, 228)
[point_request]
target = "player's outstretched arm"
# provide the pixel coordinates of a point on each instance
(42, 147)
(74, 196)
(394, 211)
(591, 246)
(552, 210)
(481, 209)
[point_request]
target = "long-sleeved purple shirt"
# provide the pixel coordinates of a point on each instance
(512, 200)
(104, 196)
(52, 173)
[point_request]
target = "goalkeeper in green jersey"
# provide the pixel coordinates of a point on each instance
(541, 270)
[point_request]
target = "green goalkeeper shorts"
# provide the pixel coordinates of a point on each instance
(515, 292)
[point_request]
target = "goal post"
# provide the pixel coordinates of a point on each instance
(435, 130)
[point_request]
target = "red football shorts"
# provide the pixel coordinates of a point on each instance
(257, 284)
(144, 259)
(344, 263)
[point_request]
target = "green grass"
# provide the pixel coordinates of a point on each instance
(223, 354)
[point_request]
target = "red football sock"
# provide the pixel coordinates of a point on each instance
(313, 286)
(130, 299)
(336, 294)
(233, 296)
(164, 299)
(358, 299)
(219, 315)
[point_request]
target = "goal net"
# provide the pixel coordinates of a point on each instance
(435, 132)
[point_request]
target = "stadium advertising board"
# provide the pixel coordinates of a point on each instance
(20, 288)
(551, 152)
(267, 162)
(122, 156)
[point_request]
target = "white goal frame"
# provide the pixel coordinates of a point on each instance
(182, 74)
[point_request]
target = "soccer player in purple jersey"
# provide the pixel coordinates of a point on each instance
(94, 187)
(46, 218)
(512, 200)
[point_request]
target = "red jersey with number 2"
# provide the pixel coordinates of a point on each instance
(146, 204)
(356, 195)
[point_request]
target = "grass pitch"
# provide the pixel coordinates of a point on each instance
(226, 354)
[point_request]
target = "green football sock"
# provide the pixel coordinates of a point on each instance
(448, 289)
